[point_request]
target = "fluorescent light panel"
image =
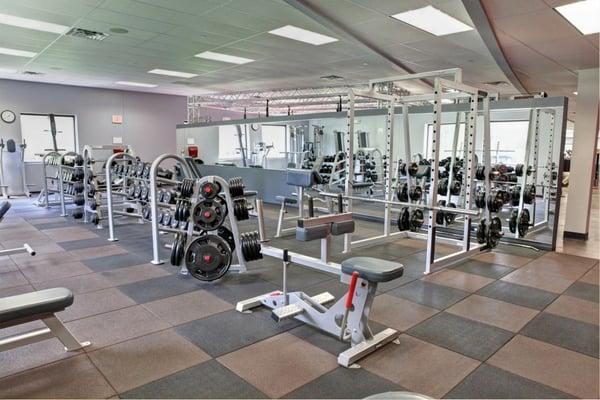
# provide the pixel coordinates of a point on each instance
(17, 53)
(583, 15)
(167, 72)
(138, 84)
(7, 71)
(432, 20)
(32, 24)
(302, 35)
(211, 55)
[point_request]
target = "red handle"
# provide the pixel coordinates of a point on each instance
(351, 290)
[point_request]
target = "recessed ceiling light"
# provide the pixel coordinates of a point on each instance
(211, 55)
(172, 73)
(17, 53)
(583, 15)
(7, 71)
(119, 30)
(32, 24)
(432, 20)
(138, 84)
(575, 93)
(302, 35)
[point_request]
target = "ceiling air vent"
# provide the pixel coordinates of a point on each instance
(32, 73)
(332, 78)
(84, 33)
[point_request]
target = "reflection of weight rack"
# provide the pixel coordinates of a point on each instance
(60, 173)
(197, 210)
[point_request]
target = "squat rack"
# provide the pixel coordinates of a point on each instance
(458, 91)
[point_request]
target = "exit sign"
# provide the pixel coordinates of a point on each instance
(117, 119)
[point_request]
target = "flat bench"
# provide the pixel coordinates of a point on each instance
(40, 305)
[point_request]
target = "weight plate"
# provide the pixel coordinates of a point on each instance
(208, 257)
(208, 215)
(210, 189)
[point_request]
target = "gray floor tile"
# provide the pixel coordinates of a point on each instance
(51, 225)
(518, 294)
(429, 294)
(471, 338)
(298, 278)
(159, 288)
(585, 291)
(488, 382)
(115, 261)
(235, 287)
(519, 251)
(565, 332)
(344, 383)
(209, 380)
(488, 270)
(231, 330)
(83, 243)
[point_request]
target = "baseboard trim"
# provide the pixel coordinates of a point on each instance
(575, 235)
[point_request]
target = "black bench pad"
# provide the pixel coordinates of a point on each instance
(29, 304)
(373, 269)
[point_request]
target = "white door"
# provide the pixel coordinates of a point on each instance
(35, 130)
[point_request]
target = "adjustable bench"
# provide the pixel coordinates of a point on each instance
(302, 179)
(40, 305)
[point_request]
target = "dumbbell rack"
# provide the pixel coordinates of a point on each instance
(95, 206)
(189, 231)
(336, 174)
(115, 171)
(57, 179)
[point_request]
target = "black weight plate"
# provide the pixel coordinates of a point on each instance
(208, 257)
(226, 234)
(210, 189)
(208, 215)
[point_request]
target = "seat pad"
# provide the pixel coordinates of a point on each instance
(287, 200)
(40, 302)
(373, 269)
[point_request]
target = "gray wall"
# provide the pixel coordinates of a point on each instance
(149, 119)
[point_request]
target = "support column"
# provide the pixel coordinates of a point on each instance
(585, 137)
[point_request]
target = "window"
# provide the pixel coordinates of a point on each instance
(229, 143)
(36, 132)
(275, 135)
(446, 139)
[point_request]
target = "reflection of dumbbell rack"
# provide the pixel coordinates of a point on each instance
(200, 208)
(332, 169)
(411, 188)
(368, 166)
(128, 179)
(66, 171)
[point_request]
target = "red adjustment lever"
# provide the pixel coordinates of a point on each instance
(351, 290)
(349, 298)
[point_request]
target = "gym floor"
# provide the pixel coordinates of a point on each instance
(514, 323)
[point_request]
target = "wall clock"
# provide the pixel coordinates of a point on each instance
(8, 116)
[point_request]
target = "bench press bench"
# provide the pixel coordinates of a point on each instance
(40, 305)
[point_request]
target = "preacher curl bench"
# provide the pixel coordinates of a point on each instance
(348, 318)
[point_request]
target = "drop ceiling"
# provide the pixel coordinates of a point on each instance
(166, 34)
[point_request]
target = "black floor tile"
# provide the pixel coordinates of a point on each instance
(83, 243)
(414, 265)
(518, 294)
(231, 330)
(333, 286)
(106, 263)
(429, 294)
(565, 332)
(52, 225)
(488, 382)
(320, 339)
(481, 268)
(298, 277)
(344, 383)
(519, 251)
(235, 287)
(159, 288)
(209, 380)
(584, 291)
(471, 338)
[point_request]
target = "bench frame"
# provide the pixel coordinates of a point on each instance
(54, 328)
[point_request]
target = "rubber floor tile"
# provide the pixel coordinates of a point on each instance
(494, 271)
(471, 338)
(115, 261)
(279, 364)
(48, 272)
(508, 260)
(187, 307)
(493, 312)
(84, 243)
(419, 366)
(584, 291)
(458, 280)
(139, 361)
(135, 273)
(429, 294)
(518, 294)
(209, 380)
(159, 288)
(78, 284)
(344, 383)
(572, 307)
(94, 303)
(565, 332)
(398, 313)
(559, 368)
(488, 382)
(75, 377)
